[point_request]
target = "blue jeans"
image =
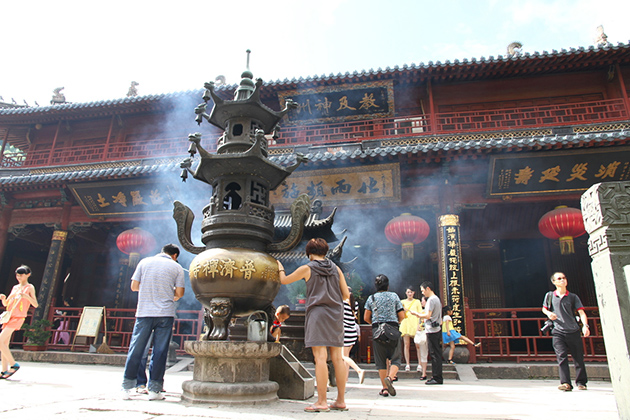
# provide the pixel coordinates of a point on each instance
(142, 368)
(162, 328)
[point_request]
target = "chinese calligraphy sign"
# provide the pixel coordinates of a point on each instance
(452, 276)
(338, 103)
(570, 171)
(125, 197)
(363, 184)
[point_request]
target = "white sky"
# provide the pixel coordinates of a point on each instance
(95, 50)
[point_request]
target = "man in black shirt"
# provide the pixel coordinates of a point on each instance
(560, 306)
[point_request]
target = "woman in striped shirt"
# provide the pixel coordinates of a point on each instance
(351, 333)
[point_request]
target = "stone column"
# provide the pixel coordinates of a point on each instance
(51, 273)
(606, 212)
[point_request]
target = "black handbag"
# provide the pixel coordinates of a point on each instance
(386, 333)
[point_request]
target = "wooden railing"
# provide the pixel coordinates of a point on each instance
(506, 334)
(188, 325)
(98, 152)
(350, 132)
(514, 334)
(13, 160)
(353, 131)
(533, 116)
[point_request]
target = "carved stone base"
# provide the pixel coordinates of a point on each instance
(231, 373)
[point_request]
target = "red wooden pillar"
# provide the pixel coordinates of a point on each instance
(5, 221)
(54, 144)
(624, 93)
(109, 136)
(432, 116)
(470, 332)
(4, 145)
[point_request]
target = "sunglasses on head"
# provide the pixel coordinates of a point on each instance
(21, 271)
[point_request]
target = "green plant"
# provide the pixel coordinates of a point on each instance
(354, 281)
(38, 333)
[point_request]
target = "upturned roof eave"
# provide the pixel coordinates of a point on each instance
(21, 178)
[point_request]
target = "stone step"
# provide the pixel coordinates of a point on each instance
(448, 371)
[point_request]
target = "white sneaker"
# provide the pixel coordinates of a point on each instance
(419, 369)
(124, 394)
(407, 368)
(155, 396)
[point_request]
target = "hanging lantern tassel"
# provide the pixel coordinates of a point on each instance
(134, 259)
(407, 251)
(566, 245)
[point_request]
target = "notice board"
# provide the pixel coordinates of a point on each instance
(90, 322)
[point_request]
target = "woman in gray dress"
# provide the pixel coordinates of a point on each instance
(326, 290)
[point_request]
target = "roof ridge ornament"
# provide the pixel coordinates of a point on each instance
(601, 41)
(514, 49)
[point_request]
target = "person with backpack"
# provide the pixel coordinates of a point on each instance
(560, 307)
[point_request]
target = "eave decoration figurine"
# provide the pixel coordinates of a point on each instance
(233, 275)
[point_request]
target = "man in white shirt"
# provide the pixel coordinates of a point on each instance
(433, 325)
(159, 281)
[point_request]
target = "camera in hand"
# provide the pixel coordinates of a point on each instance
(547, 327)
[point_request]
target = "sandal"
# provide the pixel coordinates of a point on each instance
(313, 409)
(384, 393)
(390, 386)
(423, 378)
(10, 372)
(335, 407)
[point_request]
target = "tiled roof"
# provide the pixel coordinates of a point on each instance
(25, 177)
(117, 104)
(459, 146)
(463, 68)
(573, 55)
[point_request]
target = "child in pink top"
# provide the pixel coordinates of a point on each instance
(20, 299)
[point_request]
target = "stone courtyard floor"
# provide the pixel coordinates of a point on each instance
(73, 391)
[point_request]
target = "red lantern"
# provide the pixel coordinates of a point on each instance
(407, 230)
(563, 223)
(135, 242)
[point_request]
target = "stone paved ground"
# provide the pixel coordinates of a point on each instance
(73, 391)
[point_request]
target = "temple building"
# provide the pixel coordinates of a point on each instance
(479, 150)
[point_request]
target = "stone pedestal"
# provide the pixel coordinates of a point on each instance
(231, 372)
(606, 212)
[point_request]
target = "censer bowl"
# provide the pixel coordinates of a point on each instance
(249, 278)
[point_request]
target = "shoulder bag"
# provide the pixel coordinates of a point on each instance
(385, 333)
(420, 337)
